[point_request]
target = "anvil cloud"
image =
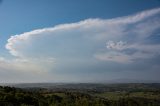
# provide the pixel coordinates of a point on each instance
(122, 40)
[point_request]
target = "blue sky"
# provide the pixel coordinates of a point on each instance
(79, 40)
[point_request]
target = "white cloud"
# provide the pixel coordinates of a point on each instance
(116, 45)
(105, 29)
(137, 17)
(103, 39)
(25, 70)
(21, 65)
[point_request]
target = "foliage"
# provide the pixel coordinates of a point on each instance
(10, 96)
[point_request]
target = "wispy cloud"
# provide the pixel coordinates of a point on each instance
(116, 45)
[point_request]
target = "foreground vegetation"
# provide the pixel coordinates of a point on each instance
(121, 96)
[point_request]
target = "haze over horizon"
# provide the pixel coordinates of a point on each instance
(79, 40)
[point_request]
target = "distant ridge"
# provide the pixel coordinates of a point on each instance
(131, 81)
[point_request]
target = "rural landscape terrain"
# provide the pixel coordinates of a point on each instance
(82, 94)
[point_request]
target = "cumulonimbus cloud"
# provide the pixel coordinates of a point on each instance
(86, 45)
(86, 37)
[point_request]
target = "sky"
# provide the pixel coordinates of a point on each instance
(79, 40)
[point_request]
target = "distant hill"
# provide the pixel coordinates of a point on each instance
(131, 81)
